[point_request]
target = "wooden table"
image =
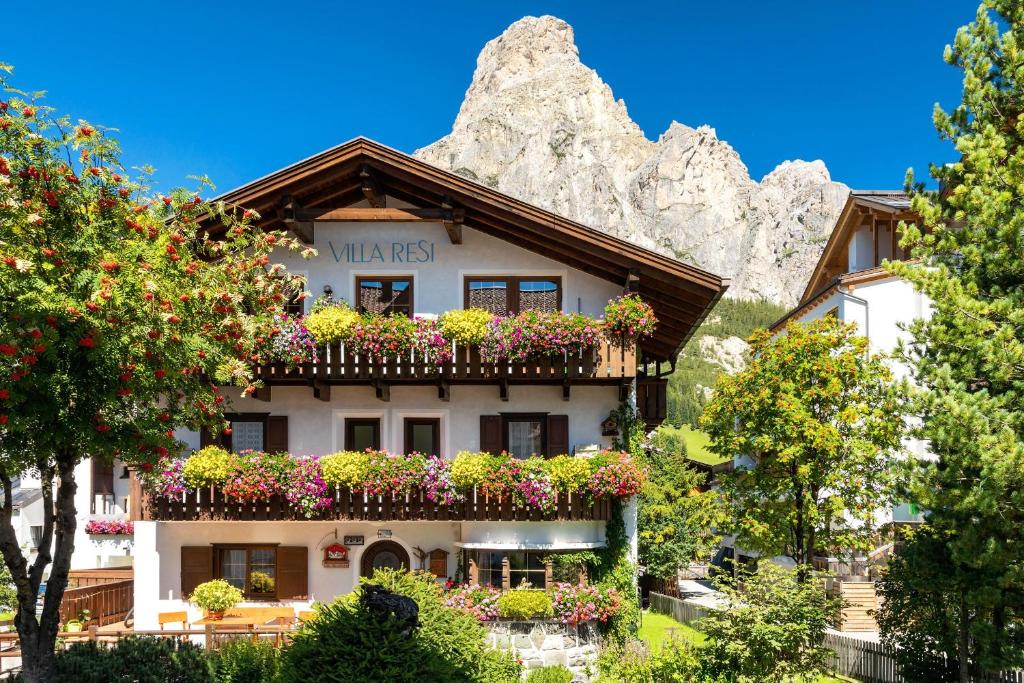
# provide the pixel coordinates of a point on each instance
(244, 616)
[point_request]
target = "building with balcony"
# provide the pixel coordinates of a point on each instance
(397, 236)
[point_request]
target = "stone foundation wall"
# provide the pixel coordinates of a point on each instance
(545, 643)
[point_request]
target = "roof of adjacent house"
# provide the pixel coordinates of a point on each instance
(681, 294)
(22, 498)
(893, 204)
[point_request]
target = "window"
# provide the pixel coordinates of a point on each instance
(384, 295)
(250, 569)
(501, 295)
(247, 433)
(525, 435)
(423, 435)
(362, 433)
(36, 534)
(526, 567)
(251, 431)
(488, 565)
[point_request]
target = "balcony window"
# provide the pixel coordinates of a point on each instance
(423, 435)
(362, 433)
(250, 569)
(524, 566)
(503, 295)
(384, 295)
(525, 435)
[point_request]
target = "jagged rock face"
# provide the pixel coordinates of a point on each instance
(539, 125)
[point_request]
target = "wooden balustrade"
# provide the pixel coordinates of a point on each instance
(211, 504)
(336, 363)
(107, 603)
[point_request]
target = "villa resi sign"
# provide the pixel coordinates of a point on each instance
(420, 251)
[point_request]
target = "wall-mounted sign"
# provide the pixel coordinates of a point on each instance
(336, 555)
(383, 533)
(421, 251)
(354, 540)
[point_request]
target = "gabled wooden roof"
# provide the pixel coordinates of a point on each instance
(681, 294)
(892, 204)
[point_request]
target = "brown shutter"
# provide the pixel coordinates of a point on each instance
(208, 438)
(292, 569)
(277, 434)
(558, 435)
(196, 567)
(102, 476)
(490, 434)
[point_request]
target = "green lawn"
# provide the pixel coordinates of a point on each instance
(697, 446)
(657, 628)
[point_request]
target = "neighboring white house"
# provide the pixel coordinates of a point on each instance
(850, 283)
(395, 234)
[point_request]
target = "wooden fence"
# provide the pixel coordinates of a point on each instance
(78, 578)
(863, 660)
(211, 504)
(108, 603)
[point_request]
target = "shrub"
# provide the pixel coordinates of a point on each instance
(447, 646)
(216, 595)
(245, 661)
(332, 323)
(467, 326)
(575, 604)
(523, 604)
(675, 662)
(470, 469)
(619, 476)
(771, 629)
(550, 674)
(481, 602)
(568, 473)
(143, 659)
(346, 469)
(209, 466)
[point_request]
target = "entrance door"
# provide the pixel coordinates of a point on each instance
(384, 554)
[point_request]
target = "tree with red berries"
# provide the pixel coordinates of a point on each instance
(120, 318)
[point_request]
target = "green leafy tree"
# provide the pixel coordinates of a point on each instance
(676, 516)
(118, 318)
(969, 355)
(820, 417)
(771, 628)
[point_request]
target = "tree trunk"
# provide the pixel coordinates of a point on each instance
(37, 637)
(963, 646)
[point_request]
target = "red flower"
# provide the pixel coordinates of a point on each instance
(35, 333)
(124, 392)
(3, 419)
(28, 112)
(160, 374)
(110, 266)
(87, 342)
(154, 334)
(85, 131)
(8, 350)
(4, 394)
(102, 428)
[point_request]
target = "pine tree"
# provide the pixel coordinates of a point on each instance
(969, 356)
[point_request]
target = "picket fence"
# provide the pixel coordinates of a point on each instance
(863, 660)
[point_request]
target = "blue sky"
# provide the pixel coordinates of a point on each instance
(236, 90)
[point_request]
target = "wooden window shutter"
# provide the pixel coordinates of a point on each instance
(292, 572)
(208, 438)
(102, 476)
(490, 434)
(196, 567)
(558, 435)
(439, 563)
(277, 434)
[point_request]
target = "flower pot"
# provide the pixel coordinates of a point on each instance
(215, 614)
(73, 627)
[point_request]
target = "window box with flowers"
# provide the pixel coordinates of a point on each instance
(109, 527)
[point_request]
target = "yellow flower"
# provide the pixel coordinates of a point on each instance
(470, 469)
(468, 326)
(207, 467)
(331, 324)
(345, 469)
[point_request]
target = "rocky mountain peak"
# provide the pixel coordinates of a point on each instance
(538, 124)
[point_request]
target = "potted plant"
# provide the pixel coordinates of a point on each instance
(73, 626)
(216, 597)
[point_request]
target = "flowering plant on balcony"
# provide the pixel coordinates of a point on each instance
(382, 336)
(616, 474)
(345, 469)
(209, 466)
(437, 481)
(477, 601)
(392, 474)
(331, 321)
(166, 478)
(575, 604)
(430, 341)
(292, 343)
(306, 488)
(568, 473)
(535, 334)
(466, 326)
(503, 475)
(109, 527)
(470, 469)
(629, 317)
(534, 488)
(257, 476)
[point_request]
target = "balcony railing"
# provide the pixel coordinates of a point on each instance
(336, 363)
(346, 505)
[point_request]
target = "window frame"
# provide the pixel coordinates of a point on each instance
(389, 280)
(514, 281)
(351, 422)
(407, 426)
(508, 418)
(227, 440)
(218, 548)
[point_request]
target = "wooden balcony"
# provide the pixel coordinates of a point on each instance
(209, 504)
(607, 363)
